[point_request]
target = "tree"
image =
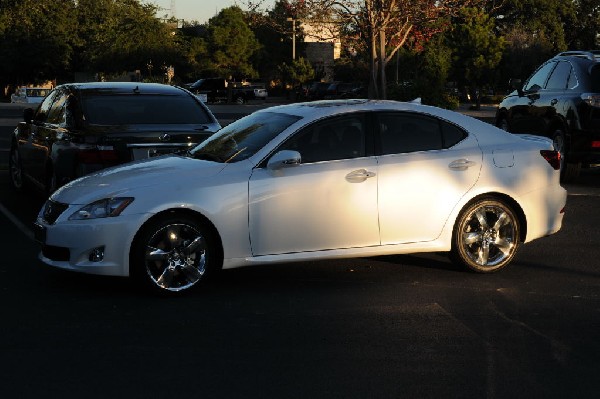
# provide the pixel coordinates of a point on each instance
(232, 44)
(123, 35)
(477, 47)
(298, 72)
(385, 26)
(37, 40)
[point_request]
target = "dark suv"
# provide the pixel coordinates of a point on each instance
(80, 128)
(561, 100)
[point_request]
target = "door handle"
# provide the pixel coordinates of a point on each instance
(359, 176)
(461, 164)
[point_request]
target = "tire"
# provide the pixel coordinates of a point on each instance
(15, 169)
(503, 123)
(569, 171)
(486, 236)
(173, 253)
(240, 100)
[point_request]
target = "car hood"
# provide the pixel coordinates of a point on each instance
(121, 180)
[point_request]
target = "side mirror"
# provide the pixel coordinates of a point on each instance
(28, 115)
(284, 159)
(516, 84)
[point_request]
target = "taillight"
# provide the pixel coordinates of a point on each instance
(553, 158)
(596, 144)
(99, 155)
(592, 99)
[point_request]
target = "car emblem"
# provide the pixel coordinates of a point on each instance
(165, 137)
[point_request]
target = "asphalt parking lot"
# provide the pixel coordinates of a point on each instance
(382, 327)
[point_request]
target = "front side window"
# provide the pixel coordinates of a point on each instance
(243, 138)
(538, 79)
(331, 139)
(56, 115)
(560, 76)
(44, 108)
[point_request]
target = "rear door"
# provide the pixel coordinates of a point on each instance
(425, 167)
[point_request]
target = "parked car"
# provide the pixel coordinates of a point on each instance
(80, 128)
(29, 95)
(339, 90)
(561, 100)
(317, 90)
(306, 181)
(219, 89)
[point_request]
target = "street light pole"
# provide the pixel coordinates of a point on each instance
(293, 21)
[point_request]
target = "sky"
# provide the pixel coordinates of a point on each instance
(198, 10)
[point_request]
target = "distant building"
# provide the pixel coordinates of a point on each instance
(323, 47)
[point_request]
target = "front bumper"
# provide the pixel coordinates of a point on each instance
(75, 245)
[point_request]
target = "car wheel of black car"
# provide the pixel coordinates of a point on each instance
(240, 100)
(486, 236)
(15, 169)
(173, 253)
(569, 171)
(502, 123)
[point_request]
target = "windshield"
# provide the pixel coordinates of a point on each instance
(243, 138)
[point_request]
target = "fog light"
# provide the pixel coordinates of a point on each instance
(97, 254)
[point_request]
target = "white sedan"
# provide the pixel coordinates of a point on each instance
(319, 180)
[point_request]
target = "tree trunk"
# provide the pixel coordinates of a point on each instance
(382, 63)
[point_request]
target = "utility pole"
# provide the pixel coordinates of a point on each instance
(293, 21)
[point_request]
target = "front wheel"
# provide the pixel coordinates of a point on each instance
(173, 253)
(486, 236)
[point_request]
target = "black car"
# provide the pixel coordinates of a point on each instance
(81, 128)
(561, 100)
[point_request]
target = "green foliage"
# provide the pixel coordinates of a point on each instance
(477, 49)
(298, 72)
(232, 44)
(423, 74)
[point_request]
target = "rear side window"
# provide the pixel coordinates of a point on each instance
(132, 109)
(408, 132)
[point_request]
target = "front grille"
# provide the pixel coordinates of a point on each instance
(52, 210)
(57, 254)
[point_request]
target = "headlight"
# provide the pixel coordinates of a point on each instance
(104, 208)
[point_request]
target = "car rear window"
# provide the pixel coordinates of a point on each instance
(141, 109)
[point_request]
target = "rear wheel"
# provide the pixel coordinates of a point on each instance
(173, 253)
(486, 236)
(240, 100)
(569, 171)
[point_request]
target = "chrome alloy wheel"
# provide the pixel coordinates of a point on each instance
(487, 236)
(175, 257)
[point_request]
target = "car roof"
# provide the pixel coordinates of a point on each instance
(319, 109)
(123, 88)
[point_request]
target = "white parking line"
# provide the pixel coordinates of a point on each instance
(14, 220)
